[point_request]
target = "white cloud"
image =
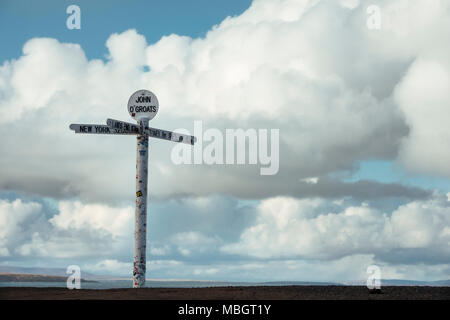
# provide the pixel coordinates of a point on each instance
(75, 230)
(127, 50)
(14, 217)
(110, 266)
(159, 251)
(311, 180)
(310, 68)
(421, 224)
(12, 214)
(57, 245)
(46, 69)
(75, 215)
(424, 98)
(184, 227)
(191, 241)
(288, 228)
(216, 238)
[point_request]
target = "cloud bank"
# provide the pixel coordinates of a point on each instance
(189, 234)
(339, 92)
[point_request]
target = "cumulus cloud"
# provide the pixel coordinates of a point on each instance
(76, 230)
(188, 227)
(311, 229)
(14, 217)
(223, 238)
(75, 215)
(424, 97)
(310, 68)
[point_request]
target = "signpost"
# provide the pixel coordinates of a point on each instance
(142, 106)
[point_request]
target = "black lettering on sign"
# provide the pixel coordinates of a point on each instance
(143, 109)
(143, 99)
(100, 129)
(83, 128)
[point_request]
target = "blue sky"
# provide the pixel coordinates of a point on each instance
(391, 172)
(153, 19)
(363, 164)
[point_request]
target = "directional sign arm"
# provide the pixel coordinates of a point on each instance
(98, 129)
(171, 136)
(123, 126)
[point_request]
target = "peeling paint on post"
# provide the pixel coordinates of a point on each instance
(140, 223)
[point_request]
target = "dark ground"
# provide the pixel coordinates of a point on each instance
(231, 293)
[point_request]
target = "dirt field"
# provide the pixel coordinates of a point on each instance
(231, 293)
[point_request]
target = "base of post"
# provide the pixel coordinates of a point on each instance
(139, 275)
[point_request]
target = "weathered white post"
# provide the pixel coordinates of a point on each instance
(142, 106)
(140, 223)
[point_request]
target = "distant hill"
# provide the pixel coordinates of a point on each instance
(398, 282)
(15, 277)
(49, 272)
(299, 283)
(59, 274)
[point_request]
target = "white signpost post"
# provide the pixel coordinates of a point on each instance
(142, 106)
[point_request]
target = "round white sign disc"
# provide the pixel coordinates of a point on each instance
(143, 104)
